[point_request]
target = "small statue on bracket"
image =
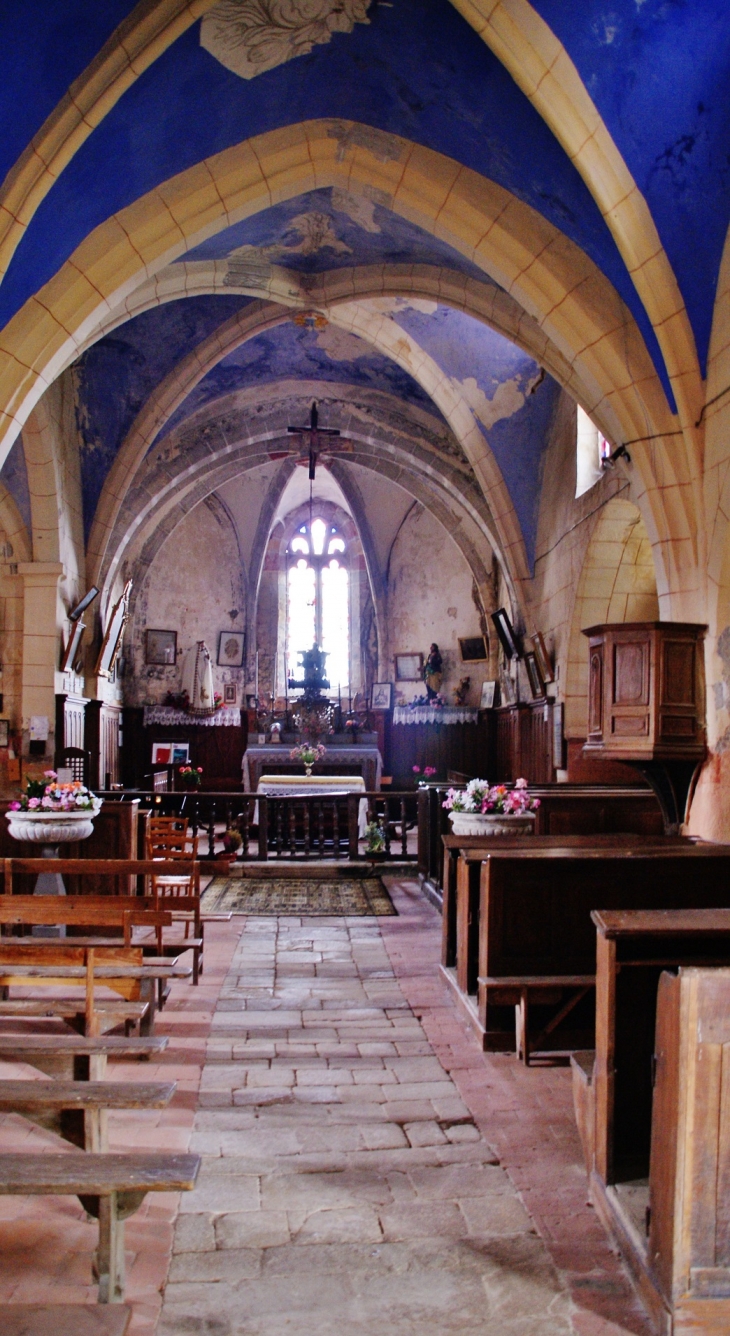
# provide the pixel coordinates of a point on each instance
(433, 670)
(462, 691)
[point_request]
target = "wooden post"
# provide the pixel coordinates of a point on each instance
(92, 1020)
(110, 1255)
(604, 1075)
(263, 828)
(353, 808)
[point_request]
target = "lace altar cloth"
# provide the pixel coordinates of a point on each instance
(434, 714)
(168, 716)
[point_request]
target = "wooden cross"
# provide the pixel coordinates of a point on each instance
(316, 435)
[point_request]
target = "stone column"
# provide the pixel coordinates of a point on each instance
(40, 648)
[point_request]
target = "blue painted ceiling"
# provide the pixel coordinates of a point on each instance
(418, 70)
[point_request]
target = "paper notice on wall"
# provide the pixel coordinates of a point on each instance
(39, 728)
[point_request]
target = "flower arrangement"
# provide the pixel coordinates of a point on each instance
(190, 776)
(47, 795)
(232, 840)
(307, 753)
(428, 770)
(480, 796)
(374, 838)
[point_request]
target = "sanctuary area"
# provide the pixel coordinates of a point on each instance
(364, 668)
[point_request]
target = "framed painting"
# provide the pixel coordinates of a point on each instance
(473, 649)
(112, 642)
(537, 686)
(230, 649)
(543, 658)
(486, 701)
(4, 732)
(68, 658)
(408, 667)
(558, 742)
(230, 693)
(506, 632)
(161, 647)
(382, 696)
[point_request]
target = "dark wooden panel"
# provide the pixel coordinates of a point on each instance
(678, 677)
(631, 673)
(595, 691)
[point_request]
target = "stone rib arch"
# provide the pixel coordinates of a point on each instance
(538, 62)
(617, 584)
(550, 277)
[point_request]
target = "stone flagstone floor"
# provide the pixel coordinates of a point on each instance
(348, 1124)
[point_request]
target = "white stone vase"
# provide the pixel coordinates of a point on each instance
(50, 828)
(492, 823)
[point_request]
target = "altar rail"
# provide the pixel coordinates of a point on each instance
(307, 826)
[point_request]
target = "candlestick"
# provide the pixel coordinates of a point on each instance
(256, 678)
(273, 684)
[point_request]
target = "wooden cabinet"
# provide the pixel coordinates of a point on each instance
(646, 691)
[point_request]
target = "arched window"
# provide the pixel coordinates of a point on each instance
(592, 449)
(318, 601)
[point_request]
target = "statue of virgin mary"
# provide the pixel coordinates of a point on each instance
(197, 679)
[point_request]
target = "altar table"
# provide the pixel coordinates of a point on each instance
(325, 786)
(255, 759)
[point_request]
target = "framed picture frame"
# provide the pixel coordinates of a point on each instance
(161, 647)
(230, 693)
(161, 753)
(180, 753)
(543, 658)
(473, 649)
(68, 658)
(534, 677)
(231, 645)
(408, 667)
(486, 701)
(381, 696)
(506, 632)
(558, 740)
(4, 732)
(507, 693)
(112, 641)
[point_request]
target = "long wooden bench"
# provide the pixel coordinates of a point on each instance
(110, 1187)
(77, 1110)
(530, 921)
(654, 1111)
(64, 1320)
(76, 1057)
(55, 962)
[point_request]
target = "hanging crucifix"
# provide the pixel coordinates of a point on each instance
(316, 438)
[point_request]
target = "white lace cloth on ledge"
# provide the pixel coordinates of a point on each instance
(168, 716)
(434, 714)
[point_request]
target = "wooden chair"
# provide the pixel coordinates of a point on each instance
(167, 839)
(77, 761)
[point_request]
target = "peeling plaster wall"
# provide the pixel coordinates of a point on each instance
(430, 598)
(193, 582)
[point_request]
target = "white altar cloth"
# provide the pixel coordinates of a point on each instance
(297, 786)
(169, 717)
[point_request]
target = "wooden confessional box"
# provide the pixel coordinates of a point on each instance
(646, 705)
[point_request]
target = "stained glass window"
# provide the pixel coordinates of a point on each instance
(318, 600)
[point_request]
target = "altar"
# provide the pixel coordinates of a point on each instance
(314, 786)
(274, 759)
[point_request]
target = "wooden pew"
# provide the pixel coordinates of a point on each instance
(531, 923)
(55, 962)
(110, 1187)
(665, 1198)
(64, 1320)
(76, 1057)
(76, 1110)
(473, 848)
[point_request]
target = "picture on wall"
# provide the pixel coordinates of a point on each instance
(4, 732)
(382, 696)
(112, 642)
(161, 647)
(537, 686)
(230, 693)
(543, 658)
(487, 697)
(506, 632)
(473, 649)
(230, 649)
(68, 657)
(408, 667)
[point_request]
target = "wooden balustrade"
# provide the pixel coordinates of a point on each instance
(302, 826)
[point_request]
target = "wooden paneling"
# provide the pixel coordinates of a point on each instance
(110, 721)
(218, 750)
(463, 747)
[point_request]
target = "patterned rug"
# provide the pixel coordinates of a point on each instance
(350, 897)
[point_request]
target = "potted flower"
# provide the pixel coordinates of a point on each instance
(232, 841)
(308, 754)
(428, 772)
(190, 776)
(375, 840)
(484, 809)
(50, 813)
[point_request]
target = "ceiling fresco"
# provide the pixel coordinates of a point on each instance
(416, 70)
(330, 229)
(118, 374)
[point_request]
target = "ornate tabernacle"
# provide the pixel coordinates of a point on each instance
(313, 714)
(646, 704)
